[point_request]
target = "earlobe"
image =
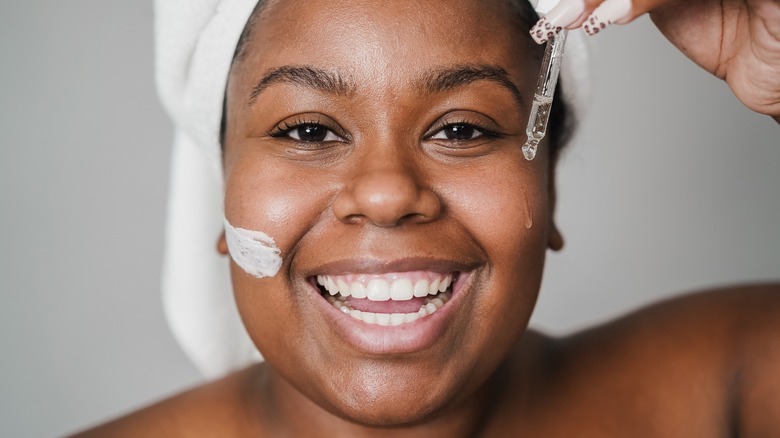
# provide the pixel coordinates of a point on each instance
(555, 240)
(222, 247)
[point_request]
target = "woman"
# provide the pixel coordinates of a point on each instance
(376, 146)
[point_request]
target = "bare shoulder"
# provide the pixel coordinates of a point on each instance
(727, 320)
(731, 323)
(700, 364)
(216, 409)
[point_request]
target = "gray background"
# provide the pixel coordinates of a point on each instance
(672, 186)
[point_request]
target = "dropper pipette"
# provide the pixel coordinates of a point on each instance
(543, 97)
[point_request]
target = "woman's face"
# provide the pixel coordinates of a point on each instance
(379, 144)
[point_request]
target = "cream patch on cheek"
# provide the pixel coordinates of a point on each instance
(253, 251)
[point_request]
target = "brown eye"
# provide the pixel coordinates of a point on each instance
(458, 131)
(311, 132)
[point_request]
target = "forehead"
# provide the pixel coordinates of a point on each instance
(387, 39)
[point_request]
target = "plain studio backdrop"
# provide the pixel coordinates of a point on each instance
(672, 186)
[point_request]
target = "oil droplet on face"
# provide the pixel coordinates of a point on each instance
(528, 217)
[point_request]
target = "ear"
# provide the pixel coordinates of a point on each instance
(555, 242)
(222, 247)
(555, 238)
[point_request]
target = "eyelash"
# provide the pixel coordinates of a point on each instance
(485, 133)
(285, 128)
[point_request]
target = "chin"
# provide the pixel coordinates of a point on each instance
(387, 398)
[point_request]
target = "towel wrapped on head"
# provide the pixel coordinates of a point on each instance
(195, 43)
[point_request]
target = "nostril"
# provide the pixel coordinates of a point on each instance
(428, 206)
(411, 218)
(386, 199)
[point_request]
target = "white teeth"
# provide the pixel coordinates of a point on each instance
(391, 319)
(401, 290)
(343, 287)
(378, 290)
(358, 291)
(397, 318)
(445, 283)
(421, 288)
(434, 288)
(330, 285)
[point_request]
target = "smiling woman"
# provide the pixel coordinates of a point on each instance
(388, 240)
(386, 188)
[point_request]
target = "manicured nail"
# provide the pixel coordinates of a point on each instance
(542, 31)
(609, 12)
(565, 13)
(594, 25)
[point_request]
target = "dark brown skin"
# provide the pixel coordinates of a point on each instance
(385, 185)
(703, 365)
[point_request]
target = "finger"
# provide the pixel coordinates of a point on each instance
(617, 12)
(592, 15)
(564, 15)
(609, 12)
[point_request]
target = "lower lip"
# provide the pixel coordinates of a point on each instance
(404, 338)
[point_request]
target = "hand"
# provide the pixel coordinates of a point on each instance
(736, 40)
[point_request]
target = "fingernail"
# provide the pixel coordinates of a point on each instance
(594, 25)
(609, 12)
(565, 13)
(542, 31)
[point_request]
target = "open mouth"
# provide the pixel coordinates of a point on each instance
(388, 299)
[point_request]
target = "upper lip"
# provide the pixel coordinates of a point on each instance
(377, 266)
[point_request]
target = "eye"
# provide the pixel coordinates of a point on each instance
(309, 132)
(459, 131)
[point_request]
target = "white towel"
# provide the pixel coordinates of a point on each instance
(195, 43)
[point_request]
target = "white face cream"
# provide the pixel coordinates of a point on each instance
(254, 251)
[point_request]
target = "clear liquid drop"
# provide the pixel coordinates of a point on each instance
(529, 149)
(529, 217)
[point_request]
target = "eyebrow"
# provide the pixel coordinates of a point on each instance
(303, 75)
(449, 78)
(438, 80)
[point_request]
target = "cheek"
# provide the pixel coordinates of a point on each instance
(283, 204)
(274, 200)
(506, 208)
(506, 211)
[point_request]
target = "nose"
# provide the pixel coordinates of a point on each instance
(386, 192)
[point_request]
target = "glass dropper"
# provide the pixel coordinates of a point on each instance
(543, 97)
